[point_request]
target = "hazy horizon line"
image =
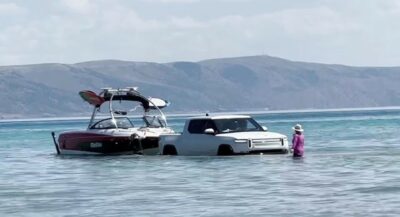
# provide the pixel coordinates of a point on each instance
(384, 108)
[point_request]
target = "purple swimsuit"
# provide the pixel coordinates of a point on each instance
(298, 144)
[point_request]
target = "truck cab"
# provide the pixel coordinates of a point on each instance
(222, 135)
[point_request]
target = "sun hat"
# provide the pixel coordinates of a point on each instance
(298, 128)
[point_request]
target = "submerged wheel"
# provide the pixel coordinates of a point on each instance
(225, 150)
(169, 150)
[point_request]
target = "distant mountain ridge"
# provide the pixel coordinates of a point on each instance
(227, 84)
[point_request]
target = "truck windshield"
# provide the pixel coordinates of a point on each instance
(237, 125)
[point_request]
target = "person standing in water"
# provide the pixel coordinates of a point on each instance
(298, 141)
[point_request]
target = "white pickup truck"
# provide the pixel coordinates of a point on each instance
(222, 135)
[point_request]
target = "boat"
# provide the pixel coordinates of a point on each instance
(115, 127)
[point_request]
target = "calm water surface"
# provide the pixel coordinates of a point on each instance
(351, 168)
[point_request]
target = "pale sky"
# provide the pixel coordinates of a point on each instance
(352, 32)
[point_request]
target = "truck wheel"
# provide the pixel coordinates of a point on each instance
(225, 150)
(169, 150)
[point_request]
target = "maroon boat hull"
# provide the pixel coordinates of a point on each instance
(87, 142)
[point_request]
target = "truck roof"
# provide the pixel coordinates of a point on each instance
(212, 117)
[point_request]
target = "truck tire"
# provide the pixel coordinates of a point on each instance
(225, 150)
(169, 150)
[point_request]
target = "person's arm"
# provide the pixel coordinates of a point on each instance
(294, 141)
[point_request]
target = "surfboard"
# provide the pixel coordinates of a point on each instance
(91, 97)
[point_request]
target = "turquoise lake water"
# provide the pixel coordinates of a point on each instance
(351, 168)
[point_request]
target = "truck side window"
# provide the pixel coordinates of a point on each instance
(197, 126)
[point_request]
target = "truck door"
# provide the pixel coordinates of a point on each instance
(197, 142)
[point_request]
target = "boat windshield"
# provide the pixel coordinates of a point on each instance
(154, 121)
(237, 125)
(120, 122)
